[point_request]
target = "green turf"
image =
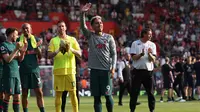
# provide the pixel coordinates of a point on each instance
(87, 105)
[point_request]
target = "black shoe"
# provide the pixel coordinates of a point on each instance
(173, 99)
(152, 111)
(193, 98)
(120, 104)
(161, 100)
(138, 103)
(169, 100)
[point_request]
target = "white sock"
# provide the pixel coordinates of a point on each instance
(199, 96)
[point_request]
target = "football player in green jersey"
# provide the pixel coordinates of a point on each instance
(11, 53)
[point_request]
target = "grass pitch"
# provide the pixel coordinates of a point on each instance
(86, 105)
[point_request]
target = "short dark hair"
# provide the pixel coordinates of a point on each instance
(10, 31)
(144, 31)
(61, 21)
(94, 18)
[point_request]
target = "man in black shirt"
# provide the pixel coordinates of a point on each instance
(168, 80)
(188, 78)
(179, 79)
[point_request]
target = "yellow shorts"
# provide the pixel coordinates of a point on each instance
(65, 82)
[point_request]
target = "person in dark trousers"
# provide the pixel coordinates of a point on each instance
(12, 53)
(194, 80)
(29, 68)
(168, 80)
(188, 78)
(102, 60)
(64, 95)
(143, 53)
(124, 75)
(179, 80)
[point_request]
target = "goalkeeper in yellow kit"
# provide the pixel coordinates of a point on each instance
(63, 49)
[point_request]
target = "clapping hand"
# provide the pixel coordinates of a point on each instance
(64, 46)
(62, 50)
(39, 42)
(149, 50)
(142, 54)
(18, 45)
(67, 46)
(24, 47)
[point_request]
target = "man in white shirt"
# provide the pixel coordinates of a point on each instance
(143, 53)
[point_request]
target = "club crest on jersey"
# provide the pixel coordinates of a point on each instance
(2, 48)
(100, 46)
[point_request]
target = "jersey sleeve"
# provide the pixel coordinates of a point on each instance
(121, 66)
(51, 47)
(75, 45)
(113, 52)
(154, 50)
(3, 49)
(133, 48)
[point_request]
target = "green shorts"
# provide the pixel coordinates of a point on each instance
(1, 85)
(100, 82)
(30, 80)
(11, 85)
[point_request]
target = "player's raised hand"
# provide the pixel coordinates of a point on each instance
(86, 7)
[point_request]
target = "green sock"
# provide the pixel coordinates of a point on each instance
(5, 105)
(25, 109)
(16, 105)
(1, 105)
(109, 103)
(42, 109)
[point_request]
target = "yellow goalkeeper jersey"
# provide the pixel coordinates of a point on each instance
(63, 63)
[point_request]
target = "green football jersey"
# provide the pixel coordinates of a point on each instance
(30, 62)
(9, 69)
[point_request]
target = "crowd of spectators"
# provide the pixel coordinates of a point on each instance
(175, 23)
